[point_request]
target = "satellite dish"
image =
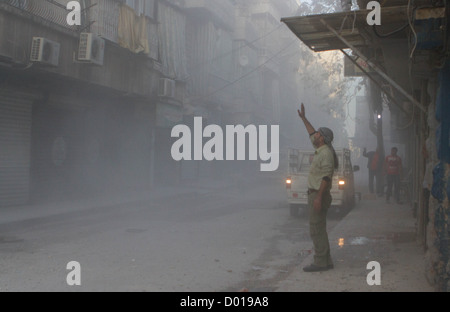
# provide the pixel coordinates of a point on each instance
(243, 60)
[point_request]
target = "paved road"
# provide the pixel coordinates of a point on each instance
(239, 238)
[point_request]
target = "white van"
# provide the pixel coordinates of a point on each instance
(342, 190)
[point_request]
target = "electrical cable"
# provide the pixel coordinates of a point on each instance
(348, 106)
(412, 88)
(198, 66)
(354, 22)
(444, 50)
(246, 74)
(343, 22)
(412, 29)
(388, 34)
(410, 122)
(413, 106)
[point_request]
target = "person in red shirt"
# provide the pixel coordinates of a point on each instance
(373, 164)
(393, 169)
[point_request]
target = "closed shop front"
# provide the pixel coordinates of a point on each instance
(87, 148)
(57, 152)
(15, 140)
(167, 170)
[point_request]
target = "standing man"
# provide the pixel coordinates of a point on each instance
(393, 169)
(319, 197)
(372, 165)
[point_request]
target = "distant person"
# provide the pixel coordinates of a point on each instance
(373, 164)
(319, 197)
(393, 170)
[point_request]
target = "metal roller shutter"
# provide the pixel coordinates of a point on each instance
(15, 140)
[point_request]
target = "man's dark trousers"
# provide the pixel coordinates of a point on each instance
(372, 176)
(318, 229)
(393, 180)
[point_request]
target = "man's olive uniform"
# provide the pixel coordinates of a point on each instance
(322, 167)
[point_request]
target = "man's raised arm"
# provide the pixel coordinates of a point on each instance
(302, 115)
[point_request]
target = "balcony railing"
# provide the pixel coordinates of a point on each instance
(221, 10)
(100, 17)
(50, 10)
(105, 19)
(266, 8)
(244, 30)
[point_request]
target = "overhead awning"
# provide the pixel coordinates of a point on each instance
(352, 26)
(351, 30)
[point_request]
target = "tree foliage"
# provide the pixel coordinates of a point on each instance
(321, 76)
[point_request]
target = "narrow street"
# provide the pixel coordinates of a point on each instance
(156, 145)
(241, 238)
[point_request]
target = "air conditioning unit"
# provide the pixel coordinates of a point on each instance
(166, 87)
(45, 51)
(91, 49)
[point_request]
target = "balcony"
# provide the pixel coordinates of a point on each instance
(45, 11)
(105, 19)
(245, 30)
(267, 9)
(221, 11)
(120, 70)
(268, 66)
(102, 18)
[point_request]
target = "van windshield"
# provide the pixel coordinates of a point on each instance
(305, 161)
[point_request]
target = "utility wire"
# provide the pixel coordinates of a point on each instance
(198, 66)
(412, 29)
(246, 74)
(380, 35)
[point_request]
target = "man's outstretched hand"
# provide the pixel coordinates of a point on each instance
(301, 111)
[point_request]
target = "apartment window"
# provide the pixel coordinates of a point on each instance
(149, 8)
(146, 7)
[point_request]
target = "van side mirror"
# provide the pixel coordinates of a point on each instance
(355, 168)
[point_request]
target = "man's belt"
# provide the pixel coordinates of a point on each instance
(310, 191)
